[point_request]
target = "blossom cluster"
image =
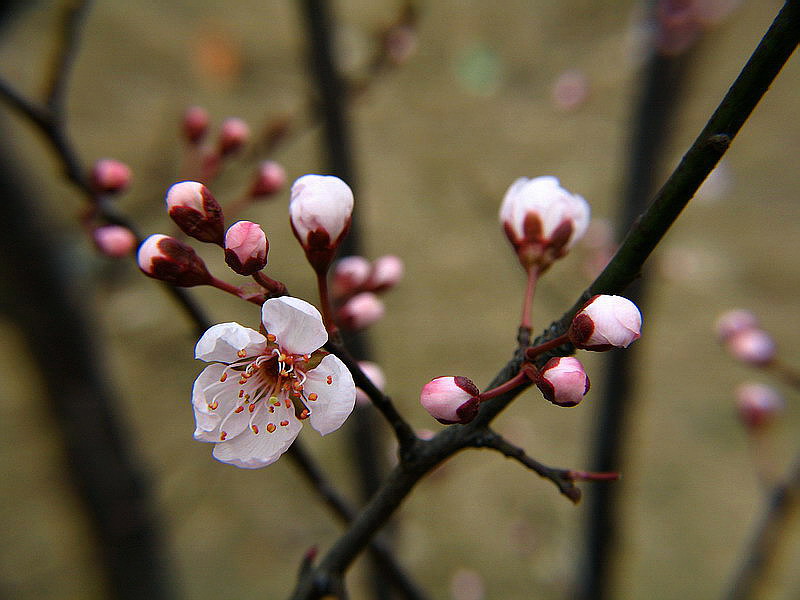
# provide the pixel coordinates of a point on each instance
(543, 221)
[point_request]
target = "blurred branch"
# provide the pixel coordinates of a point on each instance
(662, 82)
(50, 119)
(65, 359)
(769, 57)
(763, 548)
(75, 14)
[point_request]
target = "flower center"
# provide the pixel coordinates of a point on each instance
(269, 390)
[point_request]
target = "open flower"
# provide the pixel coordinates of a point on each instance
(252, 401)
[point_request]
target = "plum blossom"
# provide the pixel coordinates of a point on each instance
(253, 400)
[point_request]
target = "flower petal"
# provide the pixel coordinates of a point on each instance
(206, 420)
(223, 342)
(297, 324)
(250, 450)
(335, 394)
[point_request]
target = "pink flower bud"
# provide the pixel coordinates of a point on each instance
(110, 176)
(114, 240)
(542, 220)
(195, 124)
(376, 376)
(233, 134)
(360, 311)
(246, 248)
(165, 258)
(563, 381)
(193, 208)
(606, 322)
(734, 321)
(387, 271)
(758, 404)
(270, 180)
(320, 210)
(752, 346)
(349, 275)
(570, 90)
(450, 399)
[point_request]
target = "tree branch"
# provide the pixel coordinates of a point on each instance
(769, 57)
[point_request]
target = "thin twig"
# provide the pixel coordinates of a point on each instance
(762, 550)
(74, 16)
(561, 478)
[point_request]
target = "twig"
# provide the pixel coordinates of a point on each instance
(561, 478)
(762, 550)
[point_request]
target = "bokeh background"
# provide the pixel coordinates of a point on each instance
(437, 142)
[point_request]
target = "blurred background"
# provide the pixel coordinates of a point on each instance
(492, 92)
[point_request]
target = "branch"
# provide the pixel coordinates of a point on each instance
(562, 478)
(404, 432)
(774, 50)
(72, 27)
(782, 503)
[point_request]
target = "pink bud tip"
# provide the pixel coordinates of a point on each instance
(233, 134)
(349, 275)
(246, 248)
(165, 258)
(387, 271)
(114, 240)
(570, 90)
(752, 346)
(758, 404)
(375, 374)
(360, 311)
(111, 176)
(606, 322)
(270, 180)
(735, 321)
(450, 399)
(195, 124)
(563, 381)
(320, 210)
(193, 208)
(542, 220)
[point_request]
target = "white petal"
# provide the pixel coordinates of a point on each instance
(250, 450)
(206, 420)
(297, 325)
(222, 343)
(335, 400)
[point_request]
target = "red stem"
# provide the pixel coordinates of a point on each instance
(534, 351)
(533, 276)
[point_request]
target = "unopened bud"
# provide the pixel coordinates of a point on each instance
(360, 311)
(114, 240)
(193, 208)
(195, 124)
(349, 275)
(563, 381)
(606, 322)
(246, 248)
(375, 374)
(735, 321)
(320, 210)
(271, 179)
(387, 271)
(233, 134)
(752, 346)
(165, 258)
(450, 399)
(758, 404)
(542, 220)
(110, 176)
